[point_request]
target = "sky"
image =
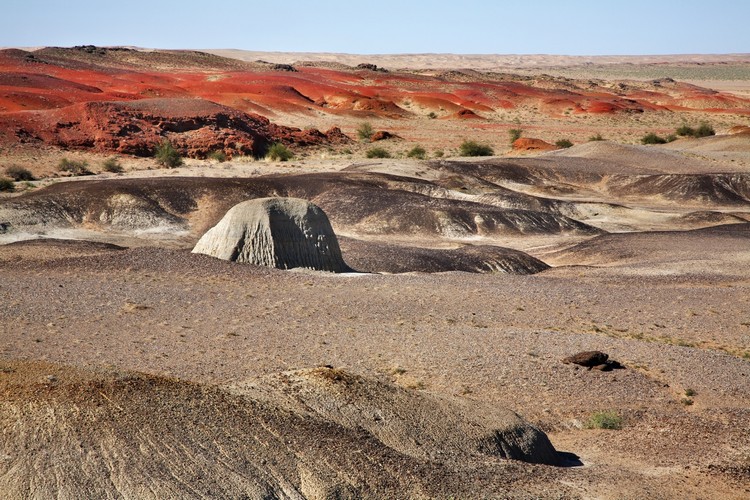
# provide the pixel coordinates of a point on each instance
(577, 27)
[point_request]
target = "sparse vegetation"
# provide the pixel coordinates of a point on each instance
(18, 173)
(564, 143)
(703, 130)
(652, 138)
(279, 152)
(6, 185)
(439, 153)
(166, 155)
(365, 131)
(473, 148)
(112, 165)
(689, 392)
(514, 134)
(604, 420)
(596, 137)
(75, 167)
(218, 156)
(416, 152)
(377, 153)
(432, 115)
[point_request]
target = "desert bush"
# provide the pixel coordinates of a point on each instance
(439, 153)
(7, 185)
(597, 137)
(604, 420)
(18, 173)
(416, 152)
(166, 155)
(473, 148)
(365, 131)
(685, 130)
(671, 138)
(218, 155)
(279, 152)
(112, 165)
(704, 130)
(514, 134)
(652, 138)
(75, 167)
(564, 143)
(377, 153)
(432, 115)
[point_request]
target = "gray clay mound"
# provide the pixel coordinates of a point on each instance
(284, 233)
(320, 433)
(373, 257)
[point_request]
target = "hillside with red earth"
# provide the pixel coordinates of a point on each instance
(124, 100)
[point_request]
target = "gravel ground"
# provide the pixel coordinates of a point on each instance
(486, 338)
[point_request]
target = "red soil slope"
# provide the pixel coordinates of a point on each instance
(48, 96)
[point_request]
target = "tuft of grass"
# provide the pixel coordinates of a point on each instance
(417, 152)
(514, 134)
(377, 153)
(564, 143)
(218, 155)
(439, 153)
(689, 392)
(609, 420)
(652, 138)
(365, 131)
(7, 185)
(75, 167)
(279, 152)
(473, 148)
(112, 165)
(597, 137)
(18, 173)
(166, 155)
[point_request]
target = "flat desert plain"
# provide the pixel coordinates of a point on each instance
(131, 367)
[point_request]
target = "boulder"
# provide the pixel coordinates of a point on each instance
(587, 358)
(276, 232)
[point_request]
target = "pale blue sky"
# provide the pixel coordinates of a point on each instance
(385, 26)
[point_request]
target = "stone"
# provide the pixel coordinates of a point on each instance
(284, 233)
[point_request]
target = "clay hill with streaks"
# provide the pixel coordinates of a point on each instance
(553, 320)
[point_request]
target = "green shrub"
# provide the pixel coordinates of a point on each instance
(75, 167)
(218, 155)
(19, 173)
(417, 152)
(564, 143)
(166, 155)
(279, 152)
(377, 153)
(472, 148)
(604, 420)
(685, 131)
(704, 130)
(671, 138)
(597, 137)
(365, 131)
(7, 185)
(112, 165)
(652, 138)
(515, 134)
